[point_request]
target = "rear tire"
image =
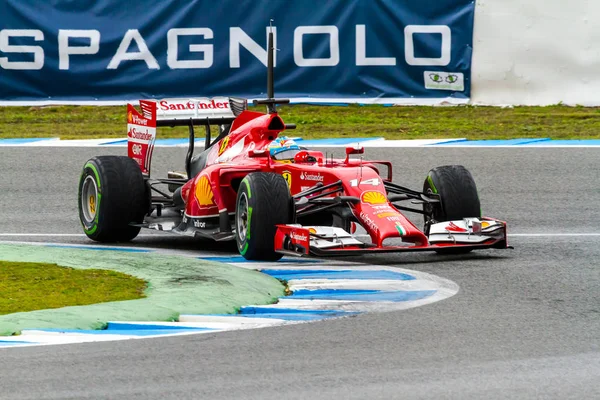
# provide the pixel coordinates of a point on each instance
(459, 199)
(112, 194)
(263, 201)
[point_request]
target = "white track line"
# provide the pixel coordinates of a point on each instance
(552, 234)
(81, 235)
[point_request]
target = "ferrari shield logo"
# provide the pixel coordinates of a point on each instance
(223, 145)
(287, 175)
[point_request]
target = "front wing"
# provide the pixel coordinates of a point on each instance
(319, 241)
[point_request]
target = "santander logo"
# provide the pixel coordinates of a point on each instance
(296, 236)
(191, 105)
(135, 134)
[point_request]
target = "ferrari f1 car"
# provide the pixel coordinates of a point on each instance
(270, 197)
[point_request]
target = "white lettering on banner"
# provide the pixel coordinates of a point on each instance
(65, 51)
(361, 51)
(143, 54)
(237, 38)
(409, 45)
(199, 224)
(173, 48)
(6, 47)
(334, 46)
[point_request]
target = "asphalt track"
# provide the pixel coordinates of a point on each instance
(525, 324)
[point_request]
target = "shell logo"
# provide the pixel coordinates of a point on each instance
(373, 197)
(485, 224)
(130, 117)
(388, 214)
(204, 193)
(312, 231)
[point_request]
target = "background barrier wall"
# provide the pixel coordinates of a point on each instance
(330, 51)
(536, 52)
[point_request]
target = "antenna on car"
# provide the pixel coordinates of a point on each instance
(271, 102)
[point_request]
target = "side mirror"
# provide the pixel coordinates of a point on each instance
(358, 149)
(355, 150)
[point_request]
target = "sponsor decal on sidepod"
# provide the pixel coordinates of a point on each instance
(307, 176)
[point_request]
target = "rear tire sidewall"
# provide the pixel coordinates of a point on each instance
(120, 200)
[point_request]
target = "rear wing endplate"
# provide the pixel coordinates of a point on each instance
(141, 127)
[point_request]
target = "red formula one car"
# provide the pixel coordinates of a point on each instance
(288, 201)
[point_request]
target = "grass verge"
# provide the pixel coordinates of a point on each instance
(403, 122)
(37, 286)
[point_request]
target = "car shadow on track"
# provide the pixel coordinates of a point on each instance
(428, 258)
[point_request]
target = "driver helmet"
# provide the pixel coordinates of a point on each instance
(283, 149)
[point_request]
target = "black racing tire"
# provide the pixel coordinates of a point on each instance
(263, 201)
(112, 195)
(458, 194)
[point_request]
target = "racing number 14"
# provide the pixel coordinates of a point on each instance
(374, 182)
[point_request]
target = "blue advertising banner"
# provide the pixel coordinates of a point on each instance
(386, 51)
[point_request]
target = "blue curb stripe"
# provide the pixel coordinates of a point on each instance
(293, 316)
(14, 342)
(327, 292)
(288, 314)
(275, 310)
(447, 141)
(100, 248)
(157, 142)
(574, 142)
(339, 274)
(23, 140)
(120, 141)
(126, 326)
(341, 141)
(494, 142)
(125, 332)
(240, 259)
(399, 296)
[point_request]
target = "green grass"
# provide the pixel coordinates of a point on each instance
(36, 286)
(472, 122)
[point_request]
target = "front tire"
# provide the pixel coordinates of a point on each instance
(458, 194)
(112, 195)
(263, 201)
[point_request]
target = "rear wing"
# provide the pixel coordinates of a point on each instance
(200, 111)
(141, 127)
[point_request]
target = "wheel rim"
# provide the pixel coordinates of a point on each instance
(89, 200)
(242, 217)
